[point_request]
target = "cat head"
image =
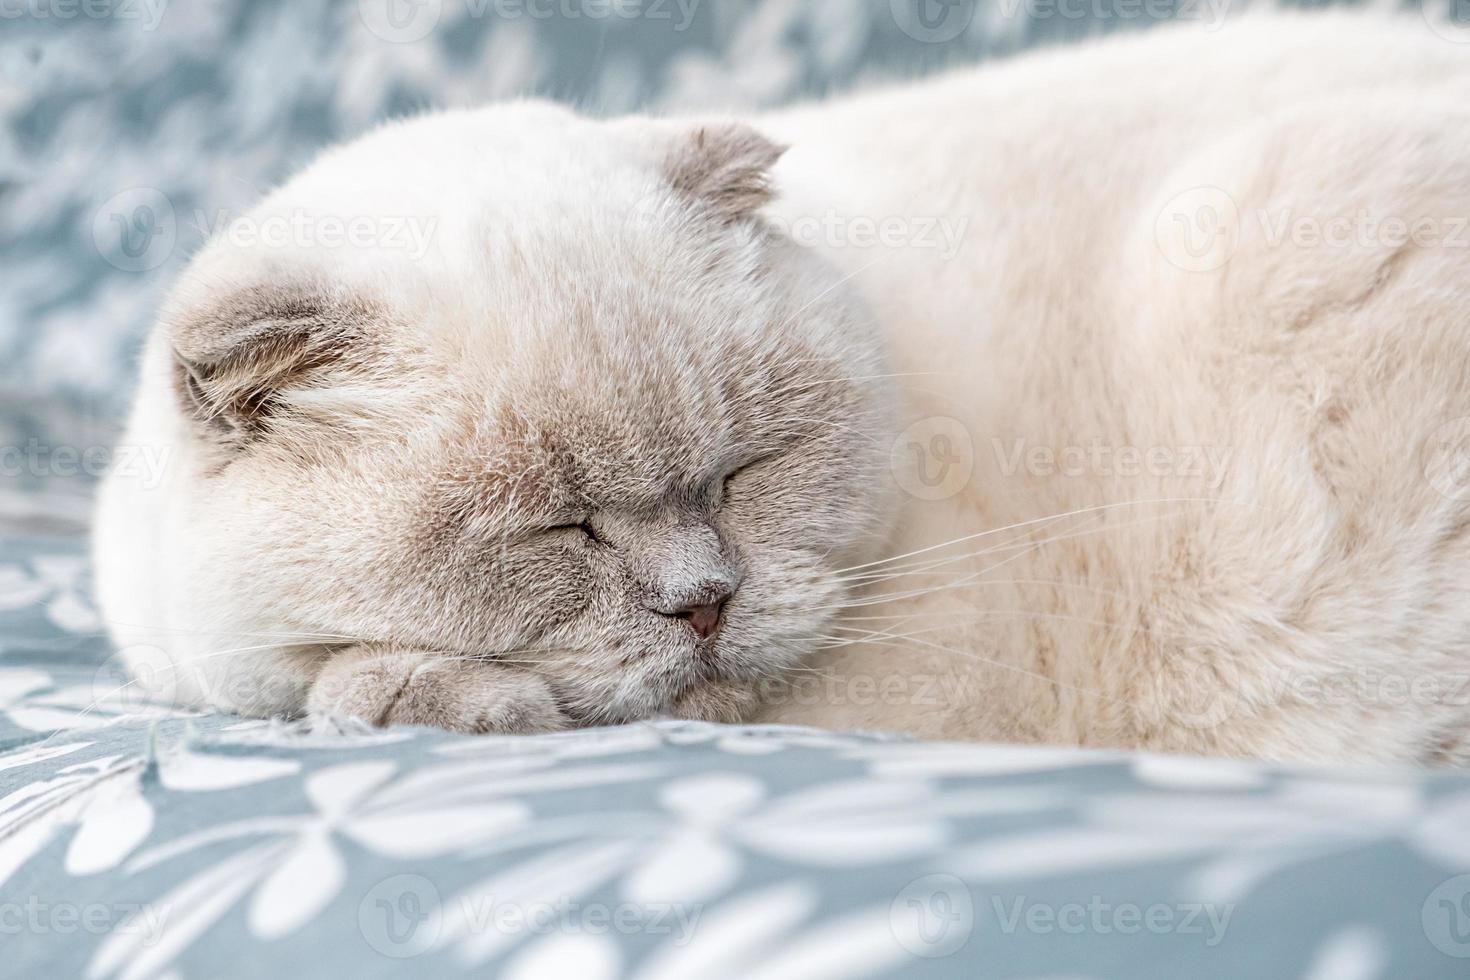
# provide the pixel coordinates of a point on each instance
(565, 401)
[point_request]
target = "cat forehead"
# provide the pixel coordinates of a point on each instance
(641, 321)
(681, 396)
(633, 425)
(506, 463)
(512, 153)
(519, 173)
(517, 215)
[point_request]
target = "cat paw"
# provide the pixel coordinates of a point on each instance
(386, 687)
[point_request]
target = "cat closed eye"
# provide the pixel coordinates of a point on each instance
(584, 528)
(741, 470)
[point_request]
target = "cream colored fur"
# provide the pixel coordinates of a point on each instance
(1256, 545)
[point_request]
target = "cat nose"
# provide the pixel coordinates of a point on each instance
(705, 613)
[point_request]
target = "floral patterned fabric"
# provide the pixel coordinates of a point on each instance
(142, 841)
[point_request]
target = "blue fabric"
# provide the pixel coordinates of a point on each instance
(145, 841)
(140, 840)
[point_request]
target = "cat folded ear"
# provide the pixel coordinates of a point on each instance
(236, 353)
(725, 166)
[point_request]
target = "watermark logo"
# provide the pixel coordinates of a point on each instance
(934, 458)
(399, 917)
(135, 676)
(1446, 917)
(932, 21)
(1199, 229)
(1449, 19)
(1202, 700)
(1446, 459)
(135, 230)
(933, 916)
(400, 21)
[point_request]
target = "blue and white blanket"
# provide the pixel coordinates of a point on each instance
(145, 841)
(141, 841)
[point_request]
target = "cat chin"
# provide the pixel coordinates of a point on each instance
(723, 700)
(729, 702)
(700, 692)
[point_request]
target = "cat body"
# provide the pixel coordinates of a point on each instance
(1111, 396)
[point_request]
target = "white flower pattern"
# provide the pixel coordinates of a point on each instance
(784, 852)
(140, 841)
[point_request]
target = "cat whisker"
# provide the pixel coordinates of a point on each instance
(974, 579)
(851, 430)
(1015, 669)
(879, 377)
(1110, 593)
(832, 287)
(194, 631)
(1027, 523)
(976, 614)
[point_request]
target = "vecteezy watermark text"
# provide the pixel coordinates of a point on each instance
(145, 464)
(934, 916)
(35, 917)
(1210, 13)
(138, 229)
(1202, 228)
(1098, 916)
(410, 234)
(1099, 459)
(148, 13)
(864, 690)
(408, 21)
(404, 916)
(940, 233)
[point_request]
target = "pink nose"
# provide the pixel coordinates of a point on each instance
(704, 619)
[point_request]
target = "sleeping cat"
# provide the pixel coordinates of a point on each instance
(1111, 396)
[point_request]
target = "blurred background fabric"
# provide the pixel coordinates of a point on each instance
(129, 129)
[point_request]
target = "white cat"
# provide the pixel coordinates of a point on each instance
(1110, 396)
